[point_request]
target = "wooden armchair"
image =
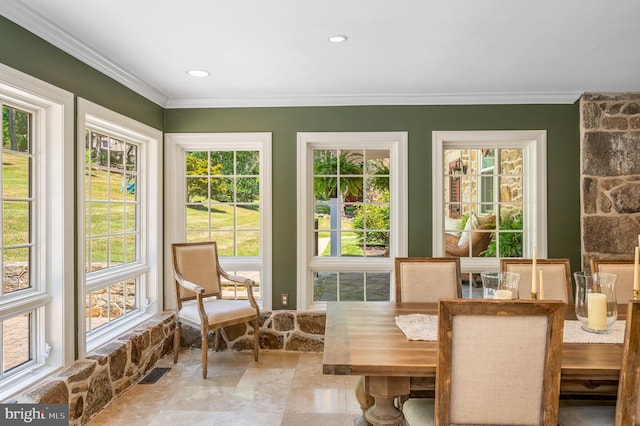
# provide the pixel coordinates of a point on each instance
(199, 302)
(498, 364)
(477, 243)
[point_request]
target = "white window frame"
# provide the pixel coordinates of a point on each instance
(51, 295)
(176, 146)
(534, 146)
(396, 143)
(149, 267)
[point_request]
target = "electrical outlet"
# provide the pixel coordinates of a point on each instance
(284, 299)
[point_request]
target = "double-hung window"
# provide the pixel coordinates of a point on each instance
(219, 189)
(489, 196)
(121, 214)
(36, 230)
(351, 215)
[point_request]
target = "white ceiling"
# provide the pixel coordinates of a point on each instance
(276, 53)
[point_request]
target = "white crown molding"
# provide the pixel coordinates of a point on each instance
(23, 15)
(32, 21)
(355, 100)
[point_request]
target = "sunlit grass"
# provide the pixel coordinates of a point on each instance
(222, 221)
(15, 214)
(350, 245)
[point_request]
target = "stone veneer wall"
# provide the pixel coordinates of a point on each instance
(279, 330)
(610, 175)
(90, 384)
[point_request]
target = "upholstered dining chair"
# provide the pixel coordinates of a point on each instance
(427, 279)
(557, 277)
(626, 411)
(199, 301)
(498, 363)
(623, 269)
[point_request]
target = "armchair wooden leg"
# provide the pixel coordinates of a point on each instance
(256, 339)
(177, 333)
(205, 348)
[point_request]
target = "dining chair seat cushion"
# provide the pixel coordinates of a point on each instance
(419, 411)
(217, 310)
(586, 415)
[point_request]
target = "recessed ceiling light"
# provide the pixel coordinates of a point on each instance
(198, 73)
(337, 38)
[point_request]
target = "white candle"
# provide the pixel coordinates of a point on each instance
(503, 294)
(597, 311)
(534, 284)
(636, 283)
(541, 284)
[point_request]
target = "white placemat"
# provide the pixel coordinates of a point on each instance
(425, 327)
(573, 333)
(418, 326)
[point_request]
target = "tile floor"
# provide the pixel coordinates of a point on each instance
(283, 388)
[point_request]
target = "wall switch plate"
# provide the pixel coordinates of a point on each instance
(284, 299)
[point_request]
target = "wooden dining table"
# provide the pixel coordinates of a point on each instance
(362, 338)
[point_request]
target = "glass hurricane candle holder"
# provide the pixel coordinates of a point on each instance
(596, 305)
(500, 285)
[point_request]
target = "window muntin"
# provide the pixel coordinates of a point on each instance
(331, 286)
(351, 202)
(489, 182)
(120, 230)
(351, 215)
(222, 204)
(17, 200)
(110, 303)
(524, 154)
(17, 244)
(232, 206)
(112, 228)
(223, 200)
(36, 312)
(111, 201)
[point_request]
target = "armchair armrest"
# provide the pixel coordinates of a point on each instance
(247, 282)
(188, 284)
(240, 280)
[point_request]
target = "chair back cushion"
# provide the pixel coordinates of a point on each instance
(198, 263)
(427, 280)
(556, 272)
(624, 270)
(499, 361)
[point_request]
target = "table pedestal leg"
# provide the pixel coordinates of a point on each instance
(365, 400)
(385, 390)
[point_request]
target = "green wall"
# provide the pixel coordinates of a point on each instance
(563, 161)
(28, 53)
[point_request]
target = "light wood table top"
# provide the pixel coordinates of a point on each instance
(363, 339)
